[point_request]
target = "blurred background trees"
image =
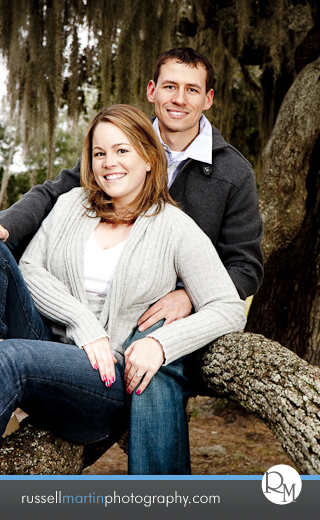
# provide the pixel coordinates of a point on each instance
(68, 58)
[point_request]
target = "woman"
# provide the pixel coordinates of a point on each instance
(105, 253)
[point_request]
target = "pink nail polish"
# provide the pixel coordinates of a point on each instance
(113, 379)
(95, 367)
(109, 383)
(138, 392)
(128, 391)
(104, 378)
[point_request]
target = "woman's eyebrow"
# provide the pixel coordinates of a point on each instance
(113, 146)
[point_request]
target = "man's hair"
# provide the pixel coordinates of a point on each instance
(140, 132)
(186, 56)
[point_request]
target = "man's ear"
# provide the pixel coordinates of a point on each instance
(209, 99)
(150, 91)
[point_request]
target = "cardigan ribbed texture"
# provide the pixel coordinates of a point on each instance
(160, 249)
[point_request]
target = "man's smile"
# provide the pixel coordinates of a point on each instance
(176, 113)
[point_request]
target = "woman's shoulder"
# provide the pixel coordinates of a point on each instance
(73, 196)
(68, 204)
(180, 220)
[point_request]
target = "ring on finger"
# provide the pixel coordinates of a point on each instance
(138, 375)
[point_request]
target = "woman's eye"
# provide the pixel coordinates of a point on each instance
(122, 151)
(99, 154)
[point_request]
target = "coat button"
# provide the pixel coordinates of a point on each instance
(207, 168)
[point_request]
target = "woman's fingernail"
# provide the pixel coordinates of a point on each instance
(138, 392)
(128, 391)
(104, 378)
(95, 367)
(113, 379)
(109, 383)
(141, 329)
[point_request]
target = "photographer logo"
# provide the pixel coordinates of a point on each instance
(281, 484)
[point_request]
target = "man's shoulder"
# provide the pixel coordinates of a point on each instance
(228, 163)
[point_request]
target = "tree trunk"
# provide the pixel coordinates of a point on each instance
(287, 307)
(286, 158)
(265, 378)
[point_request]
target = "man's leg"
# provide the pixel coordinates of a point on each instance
(158, 436)
(19, 317)
(56, 385)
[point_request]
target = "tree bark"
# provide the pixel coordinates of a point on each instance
(287, 307)
(32, 450)
(265, 378)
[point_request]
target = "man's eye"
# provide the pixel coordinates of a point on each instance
(169, 87)
(192, 90)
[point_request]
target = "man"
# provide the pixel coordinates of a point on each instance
(208, 177)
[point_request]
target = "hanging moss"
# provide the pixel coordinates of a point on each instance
(40, 40)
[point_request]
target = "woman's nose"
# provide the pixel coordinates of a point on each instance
(109, 161)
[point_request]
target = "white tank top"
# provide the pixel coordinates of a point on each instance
(99, 266)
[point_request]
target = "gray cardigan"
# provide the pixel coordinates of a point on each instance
(159, 249)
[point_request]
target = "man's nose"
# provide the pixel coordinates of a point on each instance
(180, 97)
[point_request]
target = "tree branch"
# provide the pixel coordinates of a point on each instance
(275, 385)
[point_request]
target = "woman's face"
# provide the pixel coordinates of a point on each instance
(118, 168)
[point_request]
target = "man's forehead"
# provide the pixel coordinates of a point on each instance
(191, 73)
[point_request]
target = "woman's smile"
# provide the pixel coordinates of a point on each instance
(114, 176)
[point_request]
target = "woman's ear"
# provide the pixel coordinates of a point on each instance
(148, 167)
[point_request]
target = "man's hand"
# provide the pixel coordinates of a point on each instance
(4, 234)
(143, 359)
(172, 307)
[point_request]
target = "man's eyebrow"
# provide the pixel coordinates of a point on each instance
(193, 85)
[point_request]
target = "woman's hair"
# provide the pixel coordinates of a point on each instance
(140, 132)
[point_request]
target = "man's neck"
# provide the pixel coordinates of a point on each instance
(178, 141)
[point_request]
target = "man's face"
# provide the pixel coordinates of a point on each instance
(180, 96)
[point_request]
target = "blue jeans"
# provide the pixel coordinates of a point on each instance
(56, 385)
(158, 433)
(53, 382)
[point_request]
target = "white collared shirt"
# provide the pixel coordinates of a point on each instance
(200, 149)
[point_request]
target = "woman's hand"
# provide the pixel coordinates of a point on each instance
(101, 358)
(143, 358)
